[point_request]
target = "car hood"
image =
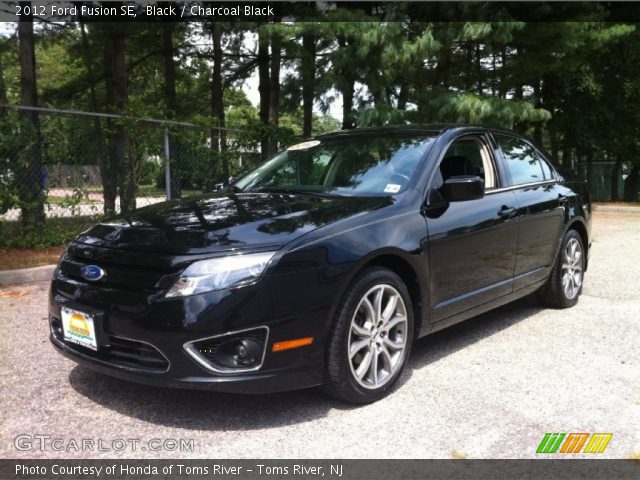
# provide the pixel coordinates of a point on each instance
(222, 222)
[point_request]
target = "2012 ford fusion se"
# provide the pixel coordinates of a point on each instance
(323, 265)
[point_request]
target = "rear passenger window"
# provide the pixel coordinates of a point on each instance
(523, 162)
(546, 169)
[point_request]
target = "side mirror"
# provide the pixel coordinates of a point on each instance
(461, 188)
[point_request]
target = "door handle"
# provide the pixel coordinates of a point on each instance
(506, 212)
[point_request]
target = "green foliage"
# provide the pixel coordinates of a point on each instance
(57, 231)
(494, 111)
(147, 172)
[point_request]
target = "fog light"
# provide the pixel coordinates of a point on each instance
(235, 353)
(241, 351)
(248, 352)
(231, 352)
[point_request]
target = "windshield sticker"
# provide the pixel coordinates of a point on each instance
(304, 145)
(392, 188)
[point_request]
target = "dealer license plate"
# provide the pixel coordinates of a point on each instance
(79, 328)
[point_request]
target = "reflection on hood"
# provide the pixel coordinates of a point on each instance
(222, 222)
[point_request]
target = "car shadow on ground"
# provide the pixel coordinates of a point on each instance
(203, 410)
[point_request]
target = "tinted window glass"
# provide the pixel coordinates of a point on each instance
(344, 165)
(546, 169)
(465, 157)
(522, 160)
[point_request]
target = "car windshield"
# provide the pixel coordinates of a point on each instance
(347, 165)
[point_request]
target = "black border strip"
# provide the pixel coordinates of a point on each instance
(434, 11)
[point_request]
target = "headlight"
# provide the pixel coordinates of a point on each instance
(220, 273)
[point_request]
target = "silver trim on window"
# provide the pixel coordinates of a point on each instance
(522, 185)
(193, 352)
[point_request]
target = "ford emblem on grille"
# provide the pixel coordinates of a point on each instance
(92, 272)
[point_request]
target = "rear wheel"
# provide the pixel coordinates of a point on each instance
(371, 337)
(564, 286)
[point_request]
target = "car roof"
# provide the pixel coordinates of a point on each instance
(431, 129)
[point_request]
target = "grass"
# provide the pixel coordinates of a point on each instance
(65, 201)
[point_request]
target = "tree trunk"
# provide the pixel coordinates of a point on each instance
(590, 171)
(502, 90)
(217, 100)
(479, 68)
(494, 74)
(567, 161)
(519, 127)
(264, 90)
(28, 173)
(403, 96)
(274, 98)
(171, 105)
(5, 126)
(111, 162)
(346, 85)
(101, 159)
(7, 149)
(468, 76)
(3, 91)
(631, 184)
(308, 81)
(348, 120)
(120, 149)
(615, 175)
(537, 98)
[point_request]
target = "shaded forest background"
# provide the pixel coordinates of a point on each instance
(573, 86)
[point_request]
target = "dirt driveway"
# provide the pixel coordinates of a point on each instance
(489, 388)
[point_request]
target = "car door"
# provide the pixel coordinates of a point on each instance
(472, 244)
(540, 212)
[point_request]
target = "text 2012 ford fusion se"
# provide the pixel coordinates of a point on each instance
(323, 265)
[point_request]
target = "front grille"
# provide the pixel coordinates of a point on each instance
(120, 352)
(142, 279)
(131, 281)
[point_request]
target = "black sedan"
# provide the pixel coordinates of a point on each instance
(323, 265)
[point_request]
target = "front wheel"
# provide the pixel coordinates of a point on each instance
(371, 337)
(565, 282)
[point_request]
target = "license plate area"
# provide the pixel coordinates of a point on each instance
(79, 328)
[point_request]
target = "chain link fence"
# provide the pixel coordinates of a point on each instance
(68, 164)
(603, 178)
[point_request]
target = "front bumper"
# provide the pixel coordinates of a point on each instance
(291, 378)
(167, 325)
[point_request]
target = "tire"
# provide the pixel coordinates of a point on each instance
(366, 358)
(556, 293)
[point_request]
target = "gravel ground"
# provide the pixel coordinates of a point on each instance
(488, 388)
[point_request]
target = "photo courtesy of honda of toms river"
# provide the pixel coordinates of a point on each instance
(324, 264)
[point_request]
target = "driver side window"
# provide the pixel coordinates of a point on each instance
(469, 156)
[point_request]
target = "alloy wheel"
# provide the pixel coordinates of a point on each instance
(572, 269)
(378, 336)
